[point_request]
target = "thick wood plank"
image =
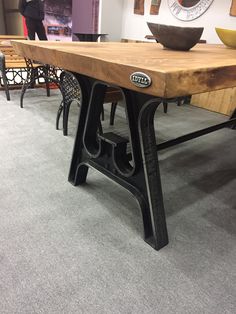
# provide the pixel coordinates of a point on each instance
(9, 52)
(15, 65)
(12, 60)
(173, 73)
(11, 37)
(5, 39)
(222, 101)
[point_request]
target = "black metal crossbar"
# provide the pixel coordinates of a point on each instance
(192, 135)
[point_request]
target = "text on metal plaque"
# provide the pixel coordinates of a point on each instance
(140, 79)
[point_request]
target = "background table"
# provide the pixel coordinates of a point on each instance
(92, 37)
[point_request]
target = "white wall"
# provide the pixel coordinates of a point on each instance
(111, 13)
(134, 26)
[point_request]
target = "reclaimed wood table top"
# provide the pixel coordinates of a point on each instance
(173, 73)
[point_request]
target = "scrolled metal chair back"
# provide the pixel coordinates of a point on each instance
(70, 87)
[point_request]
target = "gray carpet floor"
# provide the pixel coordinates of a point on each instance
(66, 249)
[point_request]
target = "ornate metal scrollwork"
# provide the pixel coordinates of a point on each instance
(115, 146)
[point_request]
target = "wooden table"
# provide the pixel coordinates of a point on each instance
(164, 74)
(5, 39)
(88, 36)
(221, 101)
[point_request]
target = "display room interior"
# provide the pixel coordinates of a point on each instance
(118, 155)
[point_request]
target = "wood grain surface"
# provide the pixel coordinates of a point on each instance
(12, 60)
(173, 73)
(222, 101)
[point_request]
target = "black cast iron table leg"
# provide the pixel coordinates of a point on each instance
(152, 173)
(137, 171)
(233, 117)
(3, 74)
(5, 82)
(78, 170)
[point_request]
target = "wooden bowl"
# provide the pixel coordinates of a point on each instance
(176, 37)
(227, 36)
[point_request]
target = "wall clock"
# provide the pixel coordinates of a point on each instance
(188, 10)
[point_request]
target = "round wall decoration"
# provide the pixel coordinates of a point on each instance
(188, 10)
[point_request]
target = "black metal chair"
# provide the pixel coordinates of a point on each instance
(179, 101)
(36, 71)
(70, 90)
(233, 116)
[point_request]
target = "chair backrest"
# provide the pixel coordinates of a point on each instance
(69, 86)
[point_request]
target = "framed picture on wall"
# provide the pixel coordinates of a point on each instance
(155, 5)
(139, 7)
(58, 19)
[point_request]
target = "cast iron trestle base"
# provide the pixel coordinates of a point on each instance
(108, 153)
(138, 170)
